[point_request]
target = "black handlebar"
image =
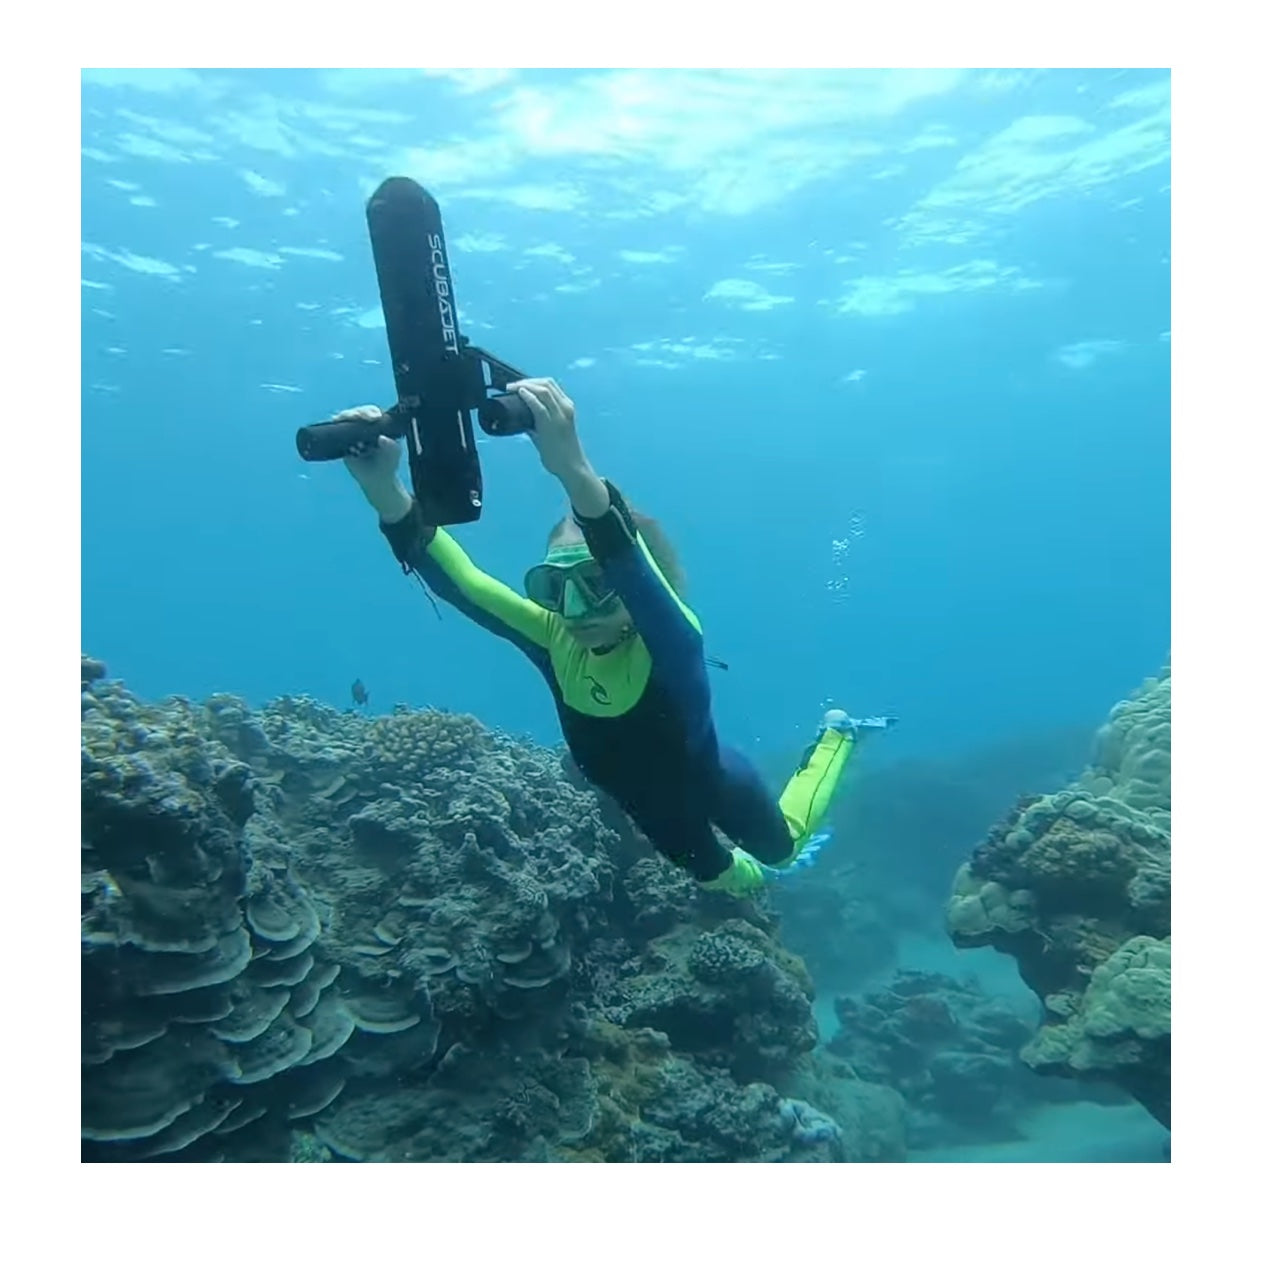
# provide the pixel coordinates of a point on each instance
(503, 415)
(328, 441)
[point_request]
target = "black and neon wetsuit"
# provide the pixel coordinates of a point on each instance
(637, 717)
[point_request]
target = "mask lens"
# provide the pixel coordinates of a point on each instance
(589, 579)
(544, 585)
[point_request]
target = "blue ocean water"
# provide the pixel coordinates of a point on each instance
(891, 363)
(886, 352)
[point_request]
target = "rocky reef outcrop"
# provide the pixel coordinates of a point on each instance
(949, 1048)
(312, 935)
(1076, 887)
(730, 994)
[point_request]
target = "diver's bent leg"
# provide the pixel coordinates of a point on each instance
(744, 810)
(807, 795)
(690, 845)
(693, 846)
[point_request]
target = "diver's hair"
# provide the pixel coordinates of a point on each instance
(655, 538)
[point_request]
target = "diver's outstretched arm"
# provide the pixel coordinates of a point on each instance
(436, 558)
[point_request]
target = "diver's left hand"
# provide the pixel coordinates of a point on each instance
(555, 433)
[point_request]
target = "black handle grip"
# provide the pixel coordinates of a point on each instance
(327, 441)
(505, 415)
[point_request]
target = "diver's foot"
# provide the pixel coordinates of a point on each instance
(740, 879)
(804, 856)
(840, 721)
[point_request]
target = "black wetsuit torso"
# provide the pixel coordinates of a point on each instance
(637, 719)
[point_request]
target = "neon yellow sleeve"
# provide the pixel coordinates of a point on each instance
(475, 592)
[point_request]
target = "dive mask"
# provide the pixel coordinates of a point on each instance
(571, 583)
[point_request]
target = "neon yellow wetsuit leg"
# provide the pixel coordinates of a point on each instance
(803, 805)
(807, 796)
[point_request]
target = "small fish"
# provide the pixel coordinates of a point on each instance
(359, 694)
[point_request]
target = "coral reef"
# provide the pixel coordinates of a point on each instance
(210, 1000)
(311, 935)
(948, 1048)
(480, 1106)
(730, 996)
(700, 1116)
(872, 1118)
(1076, 887)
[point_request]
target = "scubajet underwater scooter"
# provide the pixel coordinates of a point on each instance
(440, 377)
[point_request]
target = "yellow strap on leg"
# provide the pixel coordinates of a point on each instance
(807, 795)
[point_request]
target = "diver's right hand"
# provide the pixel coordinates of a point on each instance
(376, 468)
(370, 463)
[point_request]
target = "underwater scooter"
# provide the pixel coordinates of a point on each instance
(440, 377)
